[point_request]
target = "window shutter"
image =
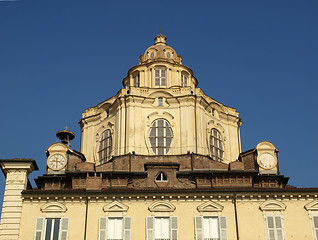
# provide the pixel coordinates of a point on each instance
(127, 228)
(270, 227)
(279, 227)
(39, 227)
(223, 228)
(174, 228)
(198, 222)
(315, 223)
(102, 228)
(150, 222)
(64, 228)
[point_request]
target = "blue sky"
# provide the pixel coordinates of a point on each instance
(58, 58)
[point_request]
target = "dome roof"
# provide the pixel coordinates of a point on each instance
(160, 51)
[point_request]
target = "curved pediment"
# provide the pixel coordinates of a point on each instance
(53, 207)
(272, 205)
(115, 207)
(161, 207)
(312, 206)
(210, 207)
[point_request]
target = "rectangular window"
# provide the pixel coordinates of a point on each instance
(136, 80)
(114, 228)
(160, 101)
(184, 80)
(315, 225)
(160, 77)
(274, 226)
(210, 228)
(51, 229)
(162, 228)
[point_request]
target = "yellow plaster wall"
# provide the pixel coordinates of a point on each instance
(297, 224)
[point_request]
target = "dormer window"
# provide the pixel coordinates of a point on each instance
(160, 77)
(152, 55)
(161, 177)
(136, 80)
(168, 55)
(184, 80)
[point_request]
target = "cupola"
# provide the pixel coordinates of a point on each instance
(160, 51)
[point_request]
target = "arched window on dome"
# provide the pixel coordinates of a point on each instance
(216, 145)
(136, 80)
(160, 77)
(168, 54)
(105, 146)
(184, 79)
(160, 136)
(152, 54)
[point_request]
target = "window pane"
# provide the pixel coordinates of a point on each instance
(270, 222)
(48, 229)
(315, 218)
(115, 228)
(279, 234)
(56, 229)
(278, 222)
(271, 235)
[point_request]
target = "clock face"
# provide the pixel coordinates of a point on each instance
(267, 161)
(57, 161)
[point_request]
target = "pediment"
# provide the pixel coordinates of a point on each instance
(53, 207)
(312, 206)
(161, 207)
(210, 207)
(272, 206)
(115, 207)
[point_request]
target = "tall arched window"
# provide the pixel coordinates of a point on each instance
(105, 146)
(184, 80)
(216, 145)
(160, 136)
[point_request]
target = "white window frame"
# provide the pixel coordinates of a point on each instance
(315, 228)
(41, 225)
(160, 77)
(222, 227)
(156, 148)
(275, 229)
(105, 146)
(184, 80)
(173, 228)
(216, 145)
(161, 177)
(136, 80)
(104, 223)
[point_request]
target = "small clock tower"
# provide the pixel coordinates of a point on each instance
(57, 153)
(267, 158)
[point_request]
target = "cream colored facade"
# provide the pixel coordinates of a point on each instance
(190, 112)
(160, 160)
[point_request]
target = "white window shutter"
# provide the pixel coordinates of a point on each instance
(198, 224)
(174, 228)
(315, 224)
(102, 228)
(150, 225)
(223, 228)
(39, 228)
(279, 228)
(270, 227)
(127, 228)
(64, 228)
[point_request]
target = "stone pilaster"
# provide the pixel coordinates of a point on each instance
(16, 172)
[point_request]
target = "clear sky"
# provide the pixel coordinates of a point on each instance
(58, 58)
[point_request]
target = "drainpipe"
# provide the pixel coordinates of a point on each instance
(125, 124)
(86, 203)
(195, 124)
(236, 221)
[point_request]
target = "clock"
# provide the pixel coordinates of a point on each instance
(267, 161)
(56, 161)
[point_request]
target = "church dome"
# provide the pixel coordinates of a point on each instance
(160, 51)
